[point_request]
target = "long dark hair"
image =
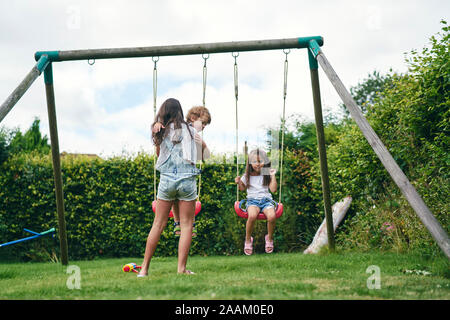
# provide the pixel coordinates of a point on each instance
(169, 112)
(262, 156)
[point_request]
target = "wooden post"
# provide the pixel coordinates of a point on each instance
(410, 193)
(322, 152)
(9, 103)
(48, 78)
(320, 238)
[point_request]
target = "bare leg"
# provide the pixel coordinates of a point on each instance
(187, 212)
(176, 211)
(271, 221)
(160, 222)
(176, 215)
(253, 212)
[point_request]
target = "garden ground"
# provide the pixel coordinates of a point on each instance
(287, 276)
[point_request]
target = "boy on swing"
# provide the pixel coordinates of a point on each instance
(198, 117)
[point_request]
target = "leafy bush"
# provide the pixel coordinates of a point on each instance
(4, 146)
(412, 119)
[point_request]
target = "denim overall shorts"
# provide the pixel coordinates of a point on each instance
(178, 176)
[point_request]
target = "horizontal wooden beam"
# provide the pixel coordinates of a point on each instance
(187, 49)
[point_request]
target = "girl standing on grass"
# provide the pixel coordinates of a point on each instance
(197, 117)
(259, 181)
(177, 152)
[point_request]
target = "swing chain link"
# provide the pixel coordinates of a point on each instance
(155, 89)
(235, 55)
(283, 119)
(285, 72)
(155, 83)
(205, 73)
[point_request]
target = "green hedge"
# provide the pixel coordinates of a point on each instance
(108, 208)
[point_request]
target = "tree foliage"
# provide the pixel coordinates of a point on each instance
(412, 119)
(31, 140)
(410, 113)
(370, 90)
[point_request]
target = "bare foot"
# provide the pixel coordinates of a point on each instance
(142, 275)
(187, 272)
(248, 247)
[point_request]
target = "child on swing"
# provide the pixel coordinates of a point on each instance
(176, 148)
(198, 117)
(259, 181)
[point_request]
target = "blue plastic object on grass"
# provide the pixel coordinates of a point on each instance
(36, 235)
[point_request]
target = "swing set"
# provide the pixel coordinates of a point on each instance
(316, 56)
(239, 205)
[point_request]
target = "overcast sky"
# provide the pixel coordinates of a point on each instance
(107, 108)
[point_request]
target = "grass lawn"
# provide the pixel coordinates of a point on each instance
(287, 276)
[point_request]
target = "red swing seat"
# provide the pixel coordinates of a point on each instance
(243, 213)
(198, 208)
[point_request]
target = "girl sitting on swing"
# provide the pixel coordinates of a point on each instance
(259, 181)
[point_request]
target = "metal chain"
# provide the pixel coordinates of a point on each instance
(155, 83)
(286, 52)
(205, 73)
(155, 89)
(236, 94)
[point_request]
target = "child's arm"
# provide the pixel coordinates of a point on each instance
(240, 183)
(273, 181)
(157, 127)
(205, 151)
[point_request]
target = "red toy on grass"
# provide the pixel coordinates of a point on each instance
(131, 267)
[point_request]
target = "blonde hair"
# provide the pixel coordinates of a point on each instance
(199, 112)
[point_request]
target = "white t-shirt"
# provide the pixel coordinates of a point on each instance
(256, 190)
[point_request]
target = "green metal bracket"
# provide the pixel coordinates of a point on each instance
(42, 63)
(48, 74)
(314, 47)
(313, 51)
(313, 65)
(52, 55)
(304, 42)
